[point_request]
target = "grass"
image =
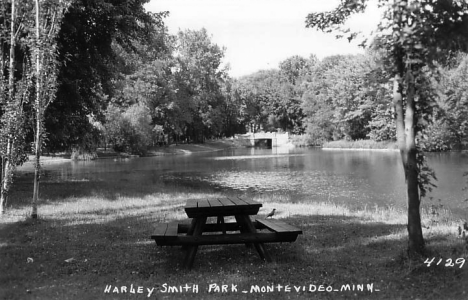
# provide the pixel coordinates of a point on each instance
(361, 144)
(93, 235)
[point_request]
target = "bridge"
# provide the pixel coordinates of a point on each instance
(263, 139)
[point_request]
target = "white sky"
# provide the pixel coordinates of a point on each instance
(258, 34)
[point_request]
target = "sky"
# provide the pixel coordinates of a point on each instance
(259, 34)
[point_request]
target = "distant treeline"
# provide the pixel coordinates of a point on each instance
(125, 82)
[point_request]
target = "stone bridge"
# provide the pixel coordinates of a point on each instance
(264, 139)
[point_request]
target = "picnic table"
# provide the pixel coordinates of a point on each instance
(245, 231)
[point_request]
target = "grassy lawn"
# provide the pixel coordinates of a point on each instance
(93, 236)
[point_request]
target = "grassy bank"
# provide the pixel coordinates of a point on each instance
(305, 141)
(361, 144)
(173, 149)
(92, 235)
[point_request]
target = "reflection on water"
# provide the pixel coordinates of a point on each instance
(254, 156)
(353, 177)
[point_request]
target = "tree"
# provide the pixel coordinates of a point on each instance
(453, 107)
(89, 63)
(233, 121)
(199, 76)
(293, 67)
(129, 130)
(31, 71)
(288, 110)
(258, 94)
(412, 34)
(339, 95)
(16, 90)
(48, 17)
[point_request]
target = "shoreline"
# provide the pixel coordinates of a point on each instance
(179, 149)
(360, 149)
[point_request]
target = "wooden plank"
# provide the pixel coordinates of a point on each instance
(250, 201)
(172, 229)
(271, 225)
(236, 201)
(251, 228)
(222, 211)
(160, 230)
(190, 229)
(215, 203)
(223, 239)
(243, 228)
(289, 227)
(220, 222)
(278, 226)
(227, 202)
(191, 203)
(192, 250)
(203, 203)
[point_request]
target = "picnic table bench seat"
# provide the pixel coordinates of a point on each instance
(173, 234)
(281, 228)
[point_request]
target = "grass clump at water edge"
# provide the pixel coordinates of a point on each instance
(361, 144)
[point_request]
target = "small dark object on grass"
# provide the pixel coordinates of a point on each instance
(271, 214)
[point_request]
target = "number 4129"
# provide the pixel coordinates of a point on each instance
(447, 262)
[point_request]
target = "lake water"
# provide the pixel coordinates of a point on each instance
(357, 178)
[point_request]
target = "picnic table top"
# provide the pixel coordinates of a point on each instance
(228, 206)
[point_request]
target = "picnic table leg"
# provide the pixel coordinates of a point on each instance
(251, 228)
(243, 228)
(190, 231)
(223, 225)
(192, 227)
(192, 250)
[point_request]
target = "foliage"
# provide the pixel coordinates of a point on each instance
(361, 144)
(129, 131)
(300, 140)
(256, 94)
(271, 99)
(200, 76)
(184, 88)
(450, 130)
(16, 89)
(338, 102)
(89, 62)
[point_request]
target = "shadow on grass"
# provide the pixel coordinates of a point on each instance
(122, 185)
(117, 251)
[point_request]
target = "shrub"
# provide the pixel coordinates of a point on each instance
(361, 144)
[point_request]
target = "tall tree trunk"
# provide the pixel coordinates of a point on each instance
(416, 240)
(405, 130)
(400, 120)
(2, 82)
(37, 149)
(11, 84)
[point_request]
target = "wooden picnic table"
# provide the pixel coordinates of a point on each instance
(169, 234)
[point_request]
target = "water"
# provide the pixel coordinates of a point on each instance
(357, 178)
